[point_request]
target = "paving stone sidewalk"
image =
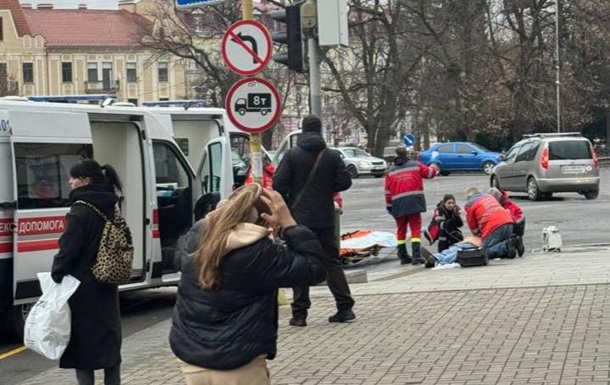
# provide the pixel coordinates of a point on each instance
(554, 332)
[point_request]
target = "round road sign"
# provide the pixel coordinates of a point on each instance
(253, 105)
(246, 47)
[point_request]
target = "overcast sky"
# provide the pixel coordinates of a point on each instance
(91, 4)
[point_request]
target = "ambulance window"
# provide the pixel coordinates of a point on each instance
(43, 171)
(170, 172)
(213, 183)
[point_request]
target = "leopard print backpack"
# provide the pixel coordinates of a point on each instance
(115, 253)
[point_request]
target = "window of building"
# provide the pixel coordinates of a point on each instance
(28, 72)
(133, 101)
(132, 74)
(1, 30)
(3, 72)
(162, 72)
(107, 76)
(66, 72)
(92, 72)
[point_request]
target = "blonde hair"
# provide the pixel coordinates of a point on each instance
(237, 209)
(471, 191)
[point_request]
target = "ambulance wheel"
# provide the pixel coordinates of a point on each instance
(20, 313)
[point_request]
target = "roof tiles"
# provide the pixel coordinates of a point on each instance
(86, 28)
(18, 18)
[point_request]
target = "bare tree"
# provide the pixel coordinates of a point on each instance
(373, 74)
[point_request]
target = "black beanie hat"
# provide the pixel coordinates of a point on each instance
(311, 123)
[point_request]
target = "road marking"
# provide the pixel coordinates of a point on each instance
(12, 352)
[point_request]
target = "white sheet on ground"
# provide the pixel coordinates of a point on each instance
(380, 238)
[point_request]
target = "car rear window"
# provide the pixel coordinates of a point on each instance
(569, 149)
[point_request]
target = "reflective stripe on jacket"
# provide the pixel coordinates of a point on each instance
(404, 187)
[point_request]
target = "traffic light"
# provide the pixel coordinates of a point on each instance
(292, 37)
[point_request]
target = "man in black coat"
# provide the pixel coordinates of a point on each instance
(308, 177)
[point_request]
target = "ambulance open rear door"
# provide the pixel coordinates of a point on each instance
(45, 145)
(7, 208)
(215, 175)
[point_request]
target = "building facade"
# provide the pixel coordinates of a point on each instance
(47, 51)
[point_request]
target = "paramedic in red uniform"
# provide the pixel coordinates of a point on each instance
(489, 220)
(405, 201)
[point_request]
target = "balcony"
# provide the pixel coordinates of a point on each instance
(101, 87)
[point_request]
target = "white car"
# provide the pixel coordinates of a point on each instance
(360, 162)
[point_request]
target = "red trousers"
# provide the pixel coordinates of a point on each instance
(414, 223)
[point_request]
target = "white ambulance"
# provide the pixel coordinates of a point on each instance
(39, 142)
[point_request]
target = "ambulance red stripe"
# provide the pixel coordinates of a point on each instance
(6, 247)
(41, 245)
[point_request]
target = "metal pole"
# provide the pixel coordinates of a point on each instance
(315, 87)
(256, 143)
(557, 67)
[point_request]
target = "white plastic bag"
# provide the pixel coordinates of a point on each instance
(47, 328)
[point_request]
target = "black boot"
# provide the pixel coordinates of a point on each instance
(415, 246)
(520, 246)
(403, 255)
(511, 246)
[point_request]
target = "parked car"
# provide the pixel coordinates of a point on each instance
(459, 156)
(360, 162)
(542, 164)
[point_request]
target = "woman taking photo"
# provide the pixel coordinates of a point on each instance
(95, 340)
(226, 315)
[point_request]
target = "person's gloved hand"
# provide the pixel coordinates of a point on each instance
(57, 278)
(389, 209)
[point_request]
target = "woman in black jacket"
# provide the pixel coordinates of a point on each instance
(448, 217)
(95, 340)
(226, 316)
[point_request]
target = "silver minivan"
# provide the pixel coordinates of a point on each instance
(542, 164)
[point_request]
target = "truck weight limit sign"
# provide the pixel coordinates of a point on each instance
(253, 105)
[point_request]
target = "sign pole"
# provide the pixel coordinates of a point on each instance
(256, 145)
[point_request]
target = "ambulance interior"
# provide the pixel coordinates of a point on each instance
(114, 143)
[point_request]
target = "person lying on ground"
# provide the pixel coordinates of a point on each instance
(449, 255)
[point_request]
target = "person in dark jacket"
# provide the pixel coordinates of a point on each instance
(447, 221)
(405, 201)
(309, 191)
(226, 316)
(95, 339)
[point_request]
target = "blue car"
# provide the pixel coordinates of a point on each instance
(459, 156)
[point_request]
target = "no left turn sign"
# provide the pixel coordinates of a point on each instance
(246, 47)
(253, 105)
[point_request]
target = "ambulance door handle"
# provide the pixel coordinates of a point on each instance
(8, 205)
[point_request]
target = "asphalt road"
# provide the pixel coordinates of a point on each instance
(579, 220)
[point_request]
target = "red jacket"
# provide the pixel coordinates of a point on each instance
(404, 187)
(268, 172)
(514, 209)
(485, 214)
